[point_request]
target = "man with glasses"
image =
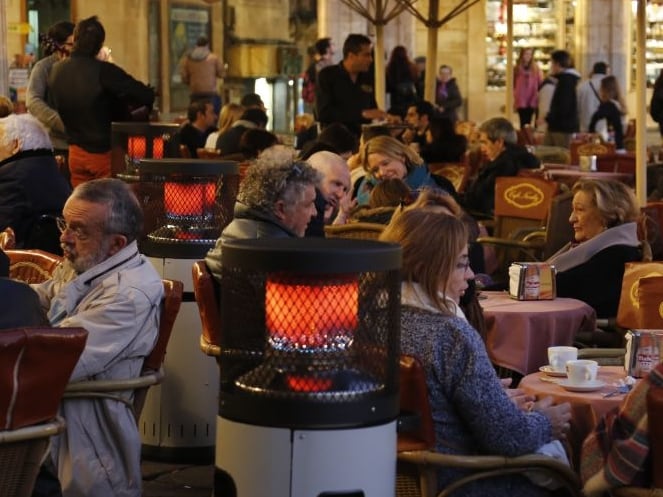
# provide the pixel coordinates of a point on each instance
(276, 200)
(107, 287)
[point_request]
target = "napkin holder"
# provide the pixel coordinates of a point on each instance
(532, 281)
(643, 351)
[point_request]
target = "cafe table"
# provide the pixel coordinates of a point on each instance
(587, 407)
(518, 332)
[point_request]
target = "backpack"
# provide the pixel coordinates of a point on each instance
(656, 106)
(308, 85)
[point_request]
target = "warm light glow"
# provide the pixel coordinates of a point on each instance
(136, 147)
(305, 312)
(157, 148)
(300, 383)
(185, 199)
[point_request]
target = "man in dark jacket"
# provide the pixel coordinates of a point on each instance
(31, 184)
(497, 137)
(88, 93)
(345, 93)
(562, 117)
(275, 200)
(228, 142)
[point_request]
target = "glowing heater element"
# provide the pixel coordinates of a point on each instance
(189, 200)
(312, 312)
(137, 147)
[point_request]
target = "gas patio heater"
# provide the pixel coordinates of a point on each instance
(186, 203)
(309, 368)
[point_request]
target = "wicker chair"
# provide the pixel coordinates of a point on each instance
(35, 365)
(32, 266)
(151, 374)
(208, 308)
(418, 462)
(363, 231)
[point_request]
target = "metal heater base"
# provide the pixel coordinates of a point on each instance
(260, 461)
(178, 422)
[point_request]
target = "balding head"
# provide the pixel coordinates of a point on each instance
(336, 175)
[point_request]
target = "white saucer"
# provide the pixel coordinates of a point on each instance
(590, 386)
(551, 372)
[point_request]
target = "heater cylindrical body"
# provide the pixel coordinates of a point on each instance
(309, 343)
(259, 461)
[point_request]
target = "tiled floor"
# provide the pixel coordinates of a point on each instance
(176, 480)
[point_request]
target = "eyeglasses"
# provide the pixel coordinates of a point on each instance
(79, 233)
(463, 265)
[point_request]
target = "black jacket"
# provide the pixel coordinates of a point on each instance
(598, 282)
(88, 95)
(609, 112)
(30, 185)
(340, 100)
(452, 102)
(480, 195)
(563, 114)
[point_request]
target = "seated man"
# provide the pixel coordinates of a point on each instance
(333, 202)
(30, 182)
(228, 142)
(107, 287)
(498, 140)
(275, 200)
(201, 120)
(617, 453)
(418, 117)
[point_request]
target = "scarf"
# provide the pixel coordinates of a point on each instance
(413, 295)
(572, 255)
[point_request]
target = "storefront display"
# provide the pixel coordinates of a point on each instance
(654, 42)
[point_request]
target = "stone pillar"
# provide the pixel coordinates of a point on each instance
(4, 62)
(603, 37)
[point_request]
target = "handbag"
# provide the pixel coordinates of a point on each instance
(629, 314)
(650, 300)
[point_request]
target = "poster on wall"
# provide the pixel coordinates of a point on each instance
(187, 24)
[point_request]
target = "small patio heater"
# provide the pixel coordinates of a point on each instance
(186, 204)
(133, 141)
(309, 368)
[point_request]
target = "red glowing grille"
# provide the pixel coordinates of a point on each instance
(185, 199)
(137, 147)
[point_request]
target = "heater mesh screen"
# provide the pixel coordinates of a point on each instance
(310, 348)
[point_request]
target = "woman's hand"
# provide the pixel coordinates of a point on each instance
(518, 396)
(559, 416)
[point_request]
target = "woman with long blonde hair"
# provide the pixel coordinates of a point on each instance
(229, 114)
(526, 80)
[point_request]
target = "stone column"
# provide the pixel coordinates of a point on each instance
(4, 62)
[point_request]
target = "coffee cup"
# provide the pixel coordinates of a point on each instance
(558, 356)
(582, 371)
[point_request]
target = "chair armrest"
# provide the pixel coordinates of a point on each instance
(209, 348)
(145, 380)
(490, 466)
(42, 430)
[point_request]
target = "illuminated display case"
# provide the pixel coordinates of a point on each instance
(535, 25)
(653, 42)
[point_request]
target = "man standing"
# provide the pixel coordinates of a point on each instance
(562, 117)
(332, 201)
(588, 95)
(418, 117)
(87, 93)
(199, 70)
(345, 92)
(447, 94)
(201, 121)
(275, 200)
(107, 287)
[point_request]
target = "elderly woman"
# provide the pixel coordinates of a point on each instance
(604, 221)
(473, 413)
(385, 157)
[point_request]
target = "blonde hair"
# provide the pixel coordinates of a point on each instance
(392, 148)
(431, 241)
(616, 202)
(229, 114)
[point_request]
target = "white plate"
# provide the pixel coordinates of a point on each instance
(551, 372)
(590, 386)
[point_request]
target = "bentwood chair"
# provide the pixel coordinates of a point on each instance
(204, 288)
(35, 365)
(32, 266)
(151, 373)
(417, 461)
(363, 231)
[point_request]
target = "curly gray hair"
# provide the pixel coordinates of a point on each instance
(276, 175)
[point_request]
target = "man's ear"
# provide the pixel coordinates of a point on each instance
(279, 210)
(16, 146)
(118, 242)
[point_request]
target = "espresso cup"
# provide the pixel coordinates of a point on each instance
(582, 371)
(558, 356)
